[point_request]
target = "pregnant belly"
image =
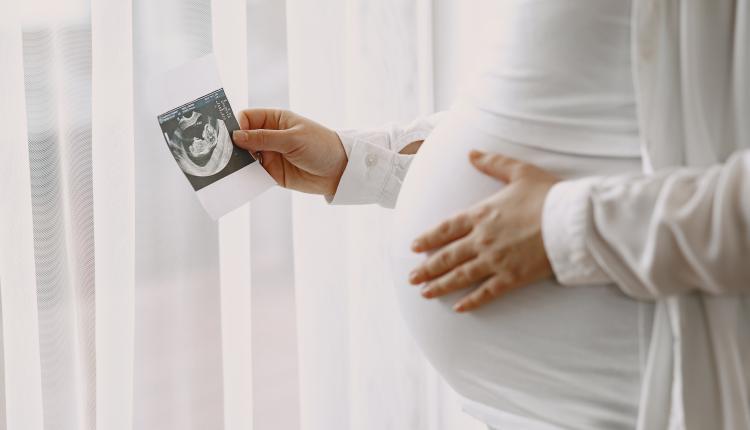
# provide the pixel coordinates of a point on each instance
(559, 355)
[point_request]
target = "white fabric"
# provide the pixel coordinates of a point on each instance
(691, 236)
(55, 52)
(229, 33)
(560, 77)
(21, 358)
(375, 170)
(696, 221)
(114, 209)
(563, 232)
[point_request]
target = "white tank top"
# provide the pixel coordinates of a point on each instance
(563, 79)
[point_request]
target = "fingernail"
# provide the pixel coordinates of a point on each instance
(416, 246)
(426, 292)
(239, 136)
(459, 307)
(414, 277)
(473, 154)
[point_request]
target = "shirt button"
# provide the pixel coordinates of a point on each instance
(371, 160)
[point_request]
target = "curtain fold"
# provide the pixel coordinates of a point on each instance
(230, 47)
(57, 82)
(177, 351)
(113, 169)
(22, 372)
(369, 63)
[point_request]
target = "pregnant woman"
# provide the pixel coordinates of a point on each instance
(561, 101)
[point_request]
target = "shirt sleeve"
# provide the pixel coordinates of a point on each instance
(669, 233)
(375, 169)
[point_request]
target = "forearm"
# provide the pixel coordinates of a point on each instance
(669, 233)
(412, 148)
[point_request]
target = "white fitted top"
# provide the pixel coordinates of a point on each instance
(559, 77)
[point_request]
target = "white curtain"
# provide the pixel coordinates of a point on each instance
(358, 63)
(122, 305)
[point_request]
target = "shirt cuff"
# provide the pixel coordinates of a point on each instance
(565, 220)
(373, 174)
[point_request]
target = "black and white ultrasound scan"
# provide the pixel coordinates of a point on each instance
(198, 135)
(196, 122)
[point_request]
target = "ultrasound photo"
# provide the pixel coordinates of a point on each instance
(199, 135)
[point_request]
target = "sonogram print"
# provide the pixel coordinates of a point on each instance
(199, 136)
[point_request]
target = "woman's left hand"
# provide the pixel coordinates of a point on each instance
(498, 242)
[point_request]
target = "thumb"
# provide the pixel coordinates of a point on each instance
(495, 165)
(263, 140)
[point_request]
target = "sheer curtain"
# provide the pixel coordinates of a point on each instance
(368, 63)
(122, 305)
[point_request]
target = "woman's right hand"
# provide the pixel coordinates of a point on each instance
(298, 153)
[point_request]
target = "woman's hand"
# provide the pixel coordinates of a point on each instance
(298, 153)
(498, 242)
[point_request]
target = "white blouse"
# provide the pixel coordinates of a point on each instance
(677, 234)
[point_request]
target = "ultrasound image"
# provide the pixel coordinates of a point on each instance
(199, 136)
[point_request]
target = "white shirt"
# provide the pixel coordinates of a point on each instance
(678, 234)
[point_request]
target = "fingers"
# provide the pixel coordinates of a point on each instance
(486, 292)
(463, 276)
(272, 119)
(264, 130)
(443, 261)
(448, 231)
(264, 140)
(498, 166)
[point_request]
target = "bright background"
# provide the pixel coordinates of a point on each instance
(123, 305)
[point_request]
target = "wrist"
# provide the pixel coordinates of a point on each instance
(342, 159)
(565, 220)
(373, 174)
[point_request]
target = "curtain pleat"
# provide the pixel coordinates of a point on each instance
(76, 86)
(317, 71)
(57, 74)
(369, 63)
(274, 322)
(390, 384)
(23, 387)
(230, 48)
(177, 358)
(113, 172)
(54, 297)
(359, 368)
